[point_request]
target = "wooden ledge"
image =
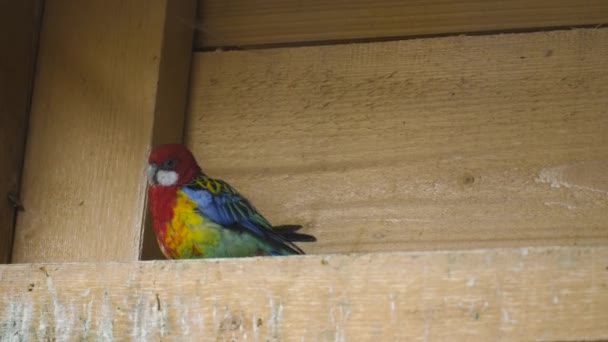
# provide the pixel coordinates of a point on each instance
(557, 293)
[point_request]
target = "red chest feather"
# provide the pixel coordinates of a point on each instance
(161, 200)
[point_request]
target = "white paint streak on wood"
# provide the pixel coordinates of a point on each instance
(86, 292)
(254, 326)
(405, 219)
(41, 330)
(344, 313)
(183, 314)
(505, 315)
(339, 313)
(163, 321)
(587, 176)
(105, 317)
(86, 323)
(17, 317)
(274, 331)
(560, 204)
(214, 315)
(136, 318)
(392, 306)
(26, 316)
(197, 316)
(471, 282)
(63, 321)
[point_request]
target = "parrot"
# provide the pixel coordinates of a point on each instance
(195, 216)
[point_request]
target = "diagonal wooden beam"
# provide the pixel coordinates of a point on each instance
(111, 79)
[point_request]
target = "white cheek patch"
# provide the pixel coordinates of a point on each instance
(166, 178)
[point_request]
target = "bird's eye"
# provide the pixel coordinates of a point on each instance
(169, 164)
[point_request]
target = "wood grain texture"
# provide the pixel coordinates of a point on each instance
(549, 294)
(19, 26)
(174, 76)
(97, 98)
(245, 22)
(433, 143)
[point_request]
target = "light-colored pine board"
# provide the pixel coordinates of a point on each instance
(245, 22)
(98, 96)
(171, 97)
(549, 294)
(19, 24)
(433, 143)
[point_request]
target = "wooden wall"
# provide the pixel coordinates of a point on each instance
(452, 142)
(460, 142)
(457, 142)
(19, 24)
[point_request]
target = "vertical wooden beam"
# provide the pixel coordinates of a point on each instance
(171, 100)
(100, 92)
(19, 24)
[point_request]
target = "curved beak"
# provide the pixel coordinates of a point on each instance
(152, 168)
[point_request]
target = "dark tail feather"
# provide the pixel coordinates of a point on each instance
(295, 237)
(288, 232)
(287, 228)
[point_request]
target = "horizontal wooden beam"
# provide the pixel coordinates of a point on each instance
(457, 142)
(487, 295)
(245, 22)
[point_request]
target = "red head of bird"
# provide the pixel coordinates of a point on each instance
(171, 165)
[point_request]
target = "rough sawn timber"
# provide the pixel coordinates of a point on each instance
(457, 142)
(111, 79)
(246, 22)
(548, 293)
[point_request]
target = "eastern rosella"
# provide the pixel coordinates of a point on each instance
(196, 216)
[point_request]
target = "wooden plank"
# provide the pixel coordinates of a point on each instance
(244, 22)
(171, 97)
(99, 94)
(506, 294)
(455, 142)
(19, 25)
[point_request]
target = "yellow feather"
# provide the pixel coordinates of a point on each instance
(188, 228)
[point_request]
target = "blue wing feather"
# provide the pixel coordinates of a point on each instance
(227, 208)
(221, 203)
